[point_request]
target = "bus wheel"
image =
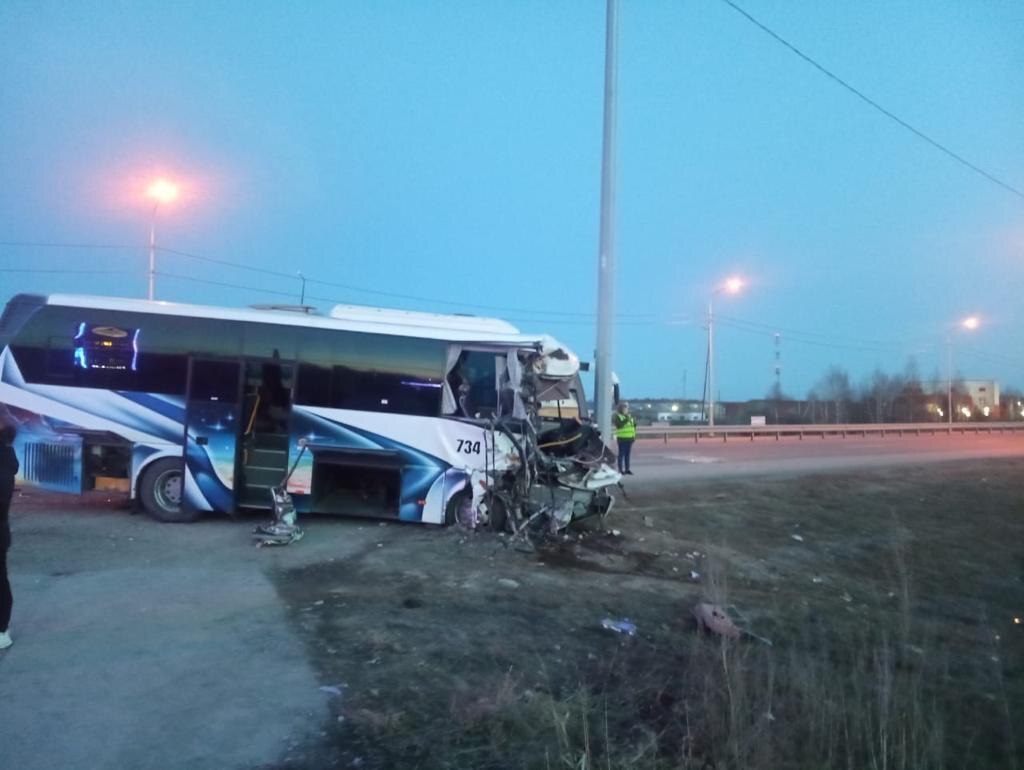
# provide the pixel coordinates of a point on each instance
(160, 490)
(458, 509)
(497, 517)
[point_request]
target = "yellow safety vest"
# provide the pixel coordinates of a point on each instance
(625, 425)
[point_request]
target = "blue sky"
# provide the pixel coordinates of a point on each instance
(450, 152)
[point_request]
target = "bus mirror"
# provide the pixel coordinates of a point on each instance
(616, 396)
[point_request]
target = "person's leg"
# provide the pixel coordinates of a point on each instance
(622, 455)
(6, 597)
(626, 449)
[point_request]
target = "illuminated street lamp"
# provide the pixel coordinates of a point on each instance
(160, 191)
(970, 324)
(730, 286)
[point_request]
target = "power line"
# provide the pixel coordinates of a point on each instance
(335, 300)
(227, 263)
(52, 245)
(348, 287)
(772, 328)
(58, 270)
(380, 292)
(871, 102)
(226, 284)
(988, 356)
(795, 337)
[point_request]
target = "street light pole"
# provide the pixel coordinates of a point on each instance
(970, 323)
(711, 362)
(732, 286)
(606, 246)
(152, 252)
(160, 191)
(949, 379)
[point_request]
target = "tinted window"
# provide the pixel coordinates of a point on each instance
(374, 391)
(214, 381)
(350, 370)
(269, 341)
(474, 381)
(48, 348)
(383, 373)
(313, 386)
(370, 372)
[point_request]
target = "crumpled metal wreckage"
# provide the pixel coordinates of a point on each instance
(542, 470)
(283, 529)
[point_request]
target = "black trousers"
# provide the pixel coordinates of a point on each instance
(6, 597)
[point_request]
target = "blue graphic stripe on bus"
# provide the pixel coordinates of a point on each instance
(419, 469)
(166, 406)
(213, 463)
(9, 372)
(219, 497)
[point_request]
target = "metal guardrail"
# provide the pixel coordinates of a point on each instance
(697, 432)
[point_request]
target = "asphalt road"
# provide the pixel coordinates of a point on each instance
(146, 645)
(682, 458)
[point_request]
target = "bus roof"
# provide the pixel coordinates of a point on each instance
(406, 323)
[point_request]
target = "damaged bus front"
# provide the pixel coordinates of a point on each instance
(538, 460)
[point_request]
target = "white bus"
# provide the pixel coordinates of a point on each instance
(189, 408)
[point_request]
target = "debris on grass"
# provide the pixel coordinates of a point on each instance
(623, 626)
(508, 582)
(711, 617)
(798, 538)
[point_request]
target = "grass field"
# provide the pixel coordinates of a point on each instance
(889, 599)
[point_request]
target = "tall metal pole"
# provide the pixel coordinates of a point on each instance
(711, 364)
(949, 378)
(606, 246)
(152, 251)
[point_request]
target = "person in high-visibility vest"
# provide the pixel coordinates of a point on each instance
(624, 425)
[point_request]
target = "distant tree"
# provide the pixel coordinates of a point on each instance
(911, 398)
(811, 406)
(834, 388)
(775, 397)
(879, 394)
(1009, 400)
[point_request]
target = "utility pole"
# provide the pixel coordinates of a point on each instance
(606, 245)
(711, 363)
(949, 378)
(152, 254)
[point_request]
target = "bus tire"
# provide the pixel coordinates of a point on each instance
(160, 490)
(497, 513)
(456, 504)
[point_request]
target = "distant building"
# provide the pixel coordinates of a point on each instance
(678, 411)
(983, 394)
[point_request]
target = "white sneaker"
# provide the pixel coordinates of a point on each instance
(5, 640)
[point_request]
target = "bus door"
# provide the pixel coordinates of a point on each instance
(211, 433)
(266, 429)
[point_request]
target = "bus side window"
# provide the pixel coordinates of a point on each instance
(474, 382)
(313, 385)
